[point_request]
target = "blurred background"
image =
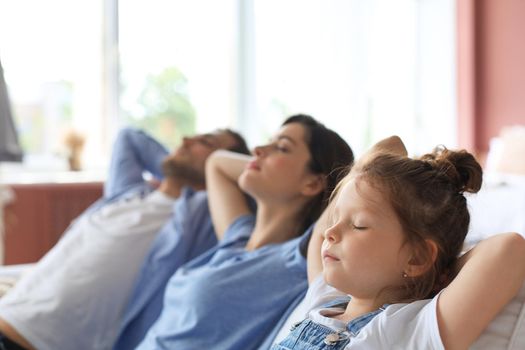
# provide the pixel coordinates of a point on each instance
(74, 72)
(367, 68)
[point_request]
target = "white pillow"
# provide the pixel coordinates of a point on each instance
(500, 207)
(496, 208)
(507, 330)
(506, 151)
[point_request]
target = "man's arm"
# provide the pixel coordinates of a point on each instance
(134, 152)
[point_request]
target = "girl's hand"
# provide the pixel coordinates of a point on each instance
(490, 275)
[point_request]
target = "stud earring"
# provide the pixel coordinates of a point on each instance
(405, 275)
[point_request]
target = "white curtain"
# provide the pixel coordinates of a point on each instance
(9, 147)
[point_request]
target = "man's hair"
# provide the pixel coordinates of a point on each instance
(240, 145)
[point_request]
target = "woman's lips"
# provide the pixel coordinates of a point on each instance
(253, 165)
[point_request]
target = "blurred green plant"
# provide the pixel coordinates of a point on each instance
(165, 109)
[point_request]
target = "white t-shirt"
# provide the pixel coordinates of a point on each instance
(317, 289)
(399, 326)
(74, 297)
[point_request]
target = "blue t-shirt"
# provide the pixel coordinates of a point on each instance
(230, 298)
(134, 152)
(187, 234)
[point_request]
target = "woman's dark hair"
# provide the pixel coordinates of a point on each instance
(427, 195)
(330, 155)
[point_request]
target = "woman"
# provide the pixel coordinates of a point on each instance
(232, 296)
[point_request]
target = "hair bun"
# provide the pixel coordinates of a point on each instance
(460, 168)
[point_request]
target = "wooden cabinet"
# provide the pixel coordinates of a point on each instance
(39, 215)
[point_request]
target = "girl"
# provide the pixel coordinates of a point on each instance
(232, 296)
(395, 230)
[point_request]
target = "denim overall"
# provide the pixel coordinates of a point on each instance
(308, 335)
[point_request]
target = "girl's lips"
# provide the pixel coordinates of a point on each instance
(329, 257)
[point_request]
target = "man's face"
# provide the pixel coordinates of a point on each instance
(186, 163)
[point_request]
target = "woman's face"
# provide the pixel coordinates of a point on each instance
(279, 171)
(363, 251)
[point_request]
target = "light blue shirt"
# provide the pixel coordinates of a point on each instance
(230, 298)
(134, 152)
(188, 234)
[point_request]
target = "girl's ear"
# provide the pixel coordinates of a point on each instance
(314, 185)
(422, 259)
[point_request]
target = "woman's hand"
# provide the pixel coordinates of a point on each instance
(225, 198)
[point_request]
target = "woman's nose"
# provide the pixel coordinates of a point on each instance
(259, 151)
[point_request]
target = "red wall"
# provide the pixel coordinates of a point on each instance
(491, 69)
(40, 214)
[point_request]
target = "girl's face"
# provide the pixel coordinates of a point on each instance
(279, 170)
(363, 252)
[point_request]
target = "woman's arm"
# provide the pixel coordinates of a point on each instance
(314, 258)
(490, 276)
(226, 200)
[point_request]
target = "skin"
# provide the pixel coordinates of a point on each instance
(284, 159)
(393, 145)
(277, 177)
(191, 155)
(365, 240)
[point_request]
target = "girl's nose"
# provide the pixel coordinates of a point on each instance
(331, 234)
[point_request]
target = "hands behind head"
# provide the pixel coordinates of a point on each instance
(390, 145)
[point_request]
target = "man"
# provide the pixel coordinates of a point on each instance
(75, 296)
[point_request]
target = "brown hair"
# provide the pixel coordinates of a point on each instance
(330, 156)
(427, 194)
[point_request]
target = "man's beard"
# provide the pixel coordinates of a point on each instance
(183, 173)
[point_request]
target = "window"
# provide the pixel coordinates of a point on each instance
(177, 65)
(52, 61)
(367, 68)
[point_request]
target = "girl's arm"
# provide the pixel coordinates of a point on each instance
(490, 276)
(225, 198)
